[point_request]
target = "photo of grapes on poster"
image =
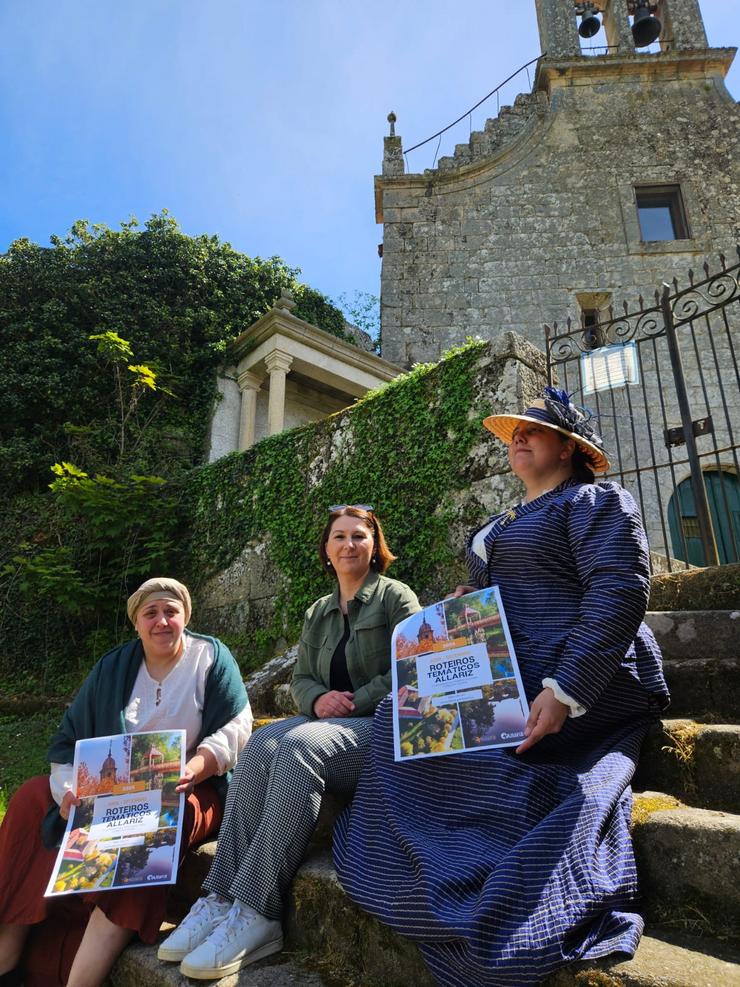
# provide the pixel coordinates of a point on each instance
(456, 681)
(126, 830)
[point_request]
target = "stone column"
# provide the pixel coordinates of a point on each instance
(556, 20)
(682, 24)
(278, 364)
(617, 28)
(249, 384)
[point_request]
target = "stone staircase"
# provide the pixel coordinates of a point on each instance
(685, 831)
(497, 132)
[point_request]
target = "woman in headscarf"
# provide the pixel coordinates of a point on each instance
(503, 864)
(167, 678)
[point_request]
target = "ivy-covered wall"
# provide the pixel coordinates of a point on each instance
(415, 449)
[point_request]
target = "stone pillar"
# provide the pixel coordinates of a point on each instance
(249, 384)
(617, 28)
(278, 364)
(392, 150)
(558, 28)
(682, 22)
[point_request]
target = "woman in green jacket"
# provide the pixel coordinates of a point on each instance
(342, 673)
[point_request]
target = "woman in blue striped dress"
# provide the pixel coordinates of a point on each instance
(504, 865)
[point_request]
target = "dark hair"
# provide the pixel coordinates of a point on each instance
(580, 461)
(382, 556)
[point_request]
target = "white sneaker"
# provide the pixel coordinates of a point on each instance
(205, 915)
(241, 939)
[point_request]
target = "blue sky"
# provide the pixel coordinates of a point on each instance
(261, 122)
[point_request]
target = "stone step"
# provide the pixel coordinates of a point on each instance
(325, 930)
(322, 921)
(711, 588)
(697, 762)
(688, 861)
(139, 967)
(691, 634)
(497, 131)
(704, 688)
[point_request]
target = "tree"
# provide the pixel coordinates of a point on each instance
(110, 344)
(176, 299)
(363, 311)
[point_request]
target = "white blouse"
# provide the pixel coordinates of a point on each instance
(176, 703)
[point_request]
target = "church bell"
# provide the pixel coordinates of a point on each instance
(590, 23)
(646, 27)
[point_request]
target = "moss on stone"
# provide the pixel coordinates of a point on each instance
(596, 978)
(714, 588)
(645, 805)
(348, 947)
(682, 746)
(263, 721)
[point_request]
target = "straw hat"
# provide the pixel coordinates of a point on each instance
(555, 410)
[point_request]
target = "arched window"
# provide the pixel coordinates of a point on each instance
(723, 495)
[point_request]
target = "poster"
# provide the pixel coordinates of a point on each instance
(456, 682)
(126, 830)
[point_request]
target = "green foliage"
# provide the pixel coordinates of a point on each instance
(111, 340)
(175, 300)
(117, 531)
(49, 576)
(403, 452)
(363, 311)
(24, 740)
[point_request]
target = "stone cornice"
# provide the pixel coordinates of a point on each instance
(470, 174)
(667, 65)
(282, 322)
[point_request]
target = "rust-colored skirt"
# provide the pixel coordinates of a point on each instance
(25, 868)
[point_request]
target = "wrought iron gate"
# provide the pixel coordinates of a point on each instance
(663, 383)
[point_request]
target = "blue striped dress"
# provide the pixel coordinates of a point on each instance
(505, 867)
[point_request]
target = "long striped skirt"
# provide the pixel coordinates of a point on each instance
(502, 868)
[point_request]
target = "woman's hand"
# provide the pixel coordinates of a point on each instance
(460, 591)
(546, 715)
(186, 783)
(202, 765)
(67, 802)
(334, 704)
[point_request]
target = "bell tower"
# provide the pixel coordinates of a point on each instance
(628, 25)
(617, 172)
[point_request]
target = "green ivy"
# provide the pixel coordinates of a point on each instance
(405, 445)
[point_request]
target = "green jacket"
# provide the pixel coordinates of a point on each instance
(378, 606)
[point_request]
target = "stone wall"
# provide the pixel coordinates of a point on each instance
(508, 239)
(244, 597)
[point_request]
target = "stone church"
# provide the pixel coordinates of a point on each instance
(617, 173)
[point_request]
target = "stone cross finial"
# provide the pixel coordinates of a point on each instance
(286, 302)
(392, 121)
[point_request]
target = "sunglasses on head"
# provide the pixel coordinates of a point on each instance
(360, 507)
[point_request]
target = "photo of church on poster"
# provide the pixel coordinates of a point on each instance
(456, 681)
(127, 828)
